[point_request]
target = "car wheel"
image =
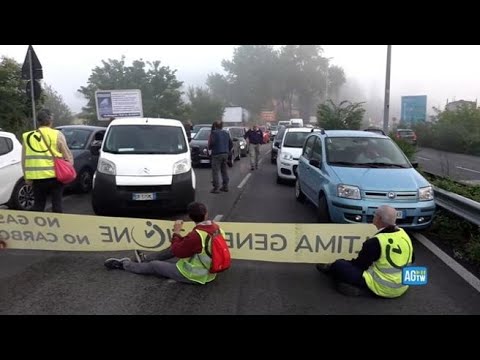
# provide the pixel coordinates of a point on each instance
(299, 195)
(323, 214)
(22, 197)
(273, 160)
(85, 181)
(279, 180)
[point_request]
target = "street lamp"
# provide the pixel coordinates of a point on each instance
(387, 91)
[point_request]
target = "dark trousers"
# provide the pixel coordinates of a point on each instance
(344, 271)
(219, 165)
(44, 187)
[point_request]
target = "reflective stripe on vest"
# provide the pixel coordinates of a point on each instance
(196, 268)
(38, 160)
(384, 277)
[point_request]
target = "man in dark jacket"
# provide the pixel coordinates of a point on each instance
(378, 266)
(185, 248)
(254, 137)
(220, 144)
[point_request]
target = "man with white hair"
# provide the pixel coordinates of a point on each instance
(378, 267)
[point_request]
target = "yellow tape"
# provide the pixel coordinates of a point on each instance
(297, 243)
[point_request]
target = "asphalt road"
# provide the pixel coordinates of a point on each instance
(456, 166)
(77, 283)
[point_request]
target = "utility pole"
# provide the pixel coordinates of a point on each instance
(387, 91)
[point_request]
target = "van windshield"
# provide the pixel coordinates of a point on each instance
(145, 139)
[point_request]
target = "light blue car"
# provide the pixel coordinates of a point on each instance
(347, 175)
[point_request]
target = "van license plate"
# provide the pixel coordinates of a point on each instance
(400, 215)
(144, 197)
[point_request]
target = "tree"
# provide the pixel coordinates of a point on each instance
(161, 94)
(15, 107)
(345, 116)
(203, 108)
(62, 114)
(220, 88)
(251, 73)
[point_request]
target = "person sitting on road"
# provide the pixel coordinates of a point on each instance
(193, 264)
(378, 267)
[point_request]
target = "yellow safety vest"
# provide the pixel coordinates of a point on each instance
(196, 268)
(38, 160)
(384, 276)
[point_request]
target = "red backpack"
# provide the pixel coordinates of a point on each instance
(219, 253)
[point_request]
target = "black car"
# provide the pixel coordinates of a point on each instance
(79, 140)
(199, 148)
(240, 148)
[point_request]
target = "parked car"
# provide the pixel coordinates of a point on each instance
(196, 129)
(237, 133)
(144, 163)
(347, 175)
(290, 150)
(407, 135)
(273, 132)
(375, 130)
(276, 143)
(80, 139)
(199, 147)
(14, 192)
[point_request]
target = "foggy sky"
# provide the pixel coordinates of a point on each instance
(438, 71)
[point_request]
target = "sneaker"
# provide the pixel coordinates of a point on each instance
(350, 290)
(215, 191)
(139, 256)
(323, 268)
(224, 189)
(113, 263)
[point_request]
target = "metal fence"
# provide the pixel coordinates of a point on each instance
(459, 205)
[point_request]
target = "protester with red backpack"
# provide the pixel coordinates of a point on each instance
(202, 253)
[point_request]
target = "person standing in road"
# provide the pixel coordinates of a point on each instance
(254, 137)
(378, 267)
(193, 264)
(38, 164)
(220, 144)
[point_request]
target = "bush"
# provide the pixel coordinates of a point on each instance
(408, 149)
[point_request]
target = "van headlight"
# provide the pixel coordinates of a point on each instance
(425, 193)
(106, 167)
(181, 167)
(287, 156)
(348, 192)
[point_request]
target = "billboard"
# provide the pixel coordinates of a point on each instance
(414, 109)
(118, 104)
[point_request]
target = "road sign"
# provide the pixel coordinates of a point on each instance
(36, 68)
(118, 104)
(37, 89)
(267, 116)
(414, 109)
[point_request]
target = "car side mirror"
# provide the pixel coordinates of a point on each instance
(415, 164)
(314, 162)
(277, 144)
(95, 147)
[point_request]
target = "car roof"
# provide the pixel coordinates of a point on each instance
(86, 127)
(298, 129)
(404, 130)
(146, 121)
(352, 133)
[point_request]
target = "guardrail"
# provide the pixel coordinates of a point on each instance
(459, 205)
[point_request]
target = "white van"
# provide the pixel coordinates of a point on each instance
(143, 163)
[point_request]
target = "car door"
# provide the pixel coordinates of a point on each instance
(318, 175)
(10, 166)
(96, 138)
(304, 171)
